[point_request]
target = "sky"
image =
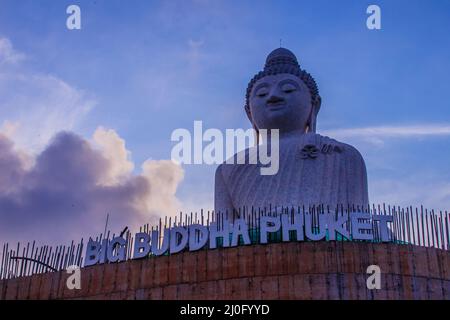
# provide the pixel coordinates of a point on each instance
(86, 115)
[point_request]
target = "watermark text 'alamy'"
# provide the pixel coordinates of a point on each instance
(236, 146)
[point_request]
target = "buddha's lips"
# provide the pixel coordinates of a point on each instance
(276, 106)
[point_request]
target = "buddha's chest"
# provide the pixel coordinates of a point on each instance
(302, 177)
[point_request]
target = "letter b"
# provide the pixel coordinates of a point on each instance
(141, 245)
(92, 253)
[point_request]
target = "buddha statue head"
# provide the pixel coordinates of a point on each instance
(283, 96)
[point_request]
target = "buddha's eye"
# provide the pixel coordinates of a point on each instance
(262, 92)
(288, 88)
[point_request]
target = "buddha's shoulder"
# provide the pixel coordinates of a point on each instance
(243, 160)
(309, 143)
(330, 145)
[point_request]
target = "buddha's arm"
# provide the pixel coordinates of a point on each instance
(359, 195)
(222, 199)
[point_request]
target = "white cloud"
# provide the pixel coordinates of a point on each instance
(392, 131)
(9, 128)
(7, 53)
(164, 177)
(66, 187)
(53, 178)
(195, 55)
(378, 136)
(113, 149)
(39, 105)
(414, 191)
(199, 201)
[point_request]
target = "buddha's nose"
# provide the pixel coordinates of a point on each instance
(274, 98)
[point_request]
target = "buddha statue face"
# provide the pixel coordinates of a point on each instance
(281, 101)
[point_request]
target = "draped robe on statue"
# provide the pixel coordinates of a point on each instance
(326, 172)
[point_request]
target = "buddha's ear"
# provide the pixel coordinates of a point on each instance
(256, 132)
(249, 114)
(311, 124)
(315, 107)
(315, 110)
(316, 104)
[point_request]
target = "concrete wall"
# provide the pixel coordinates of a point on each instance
(304, 270)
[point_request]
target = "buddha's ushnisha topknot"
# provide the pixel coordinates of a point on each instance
(282, 60)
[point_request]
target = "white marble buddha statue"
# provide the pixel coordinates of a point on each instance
(313, 169)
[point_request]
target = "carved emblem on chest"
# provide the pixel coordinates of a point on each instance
(311, 151)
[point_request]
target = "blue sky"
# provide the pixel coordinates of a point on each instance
(145, 68)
